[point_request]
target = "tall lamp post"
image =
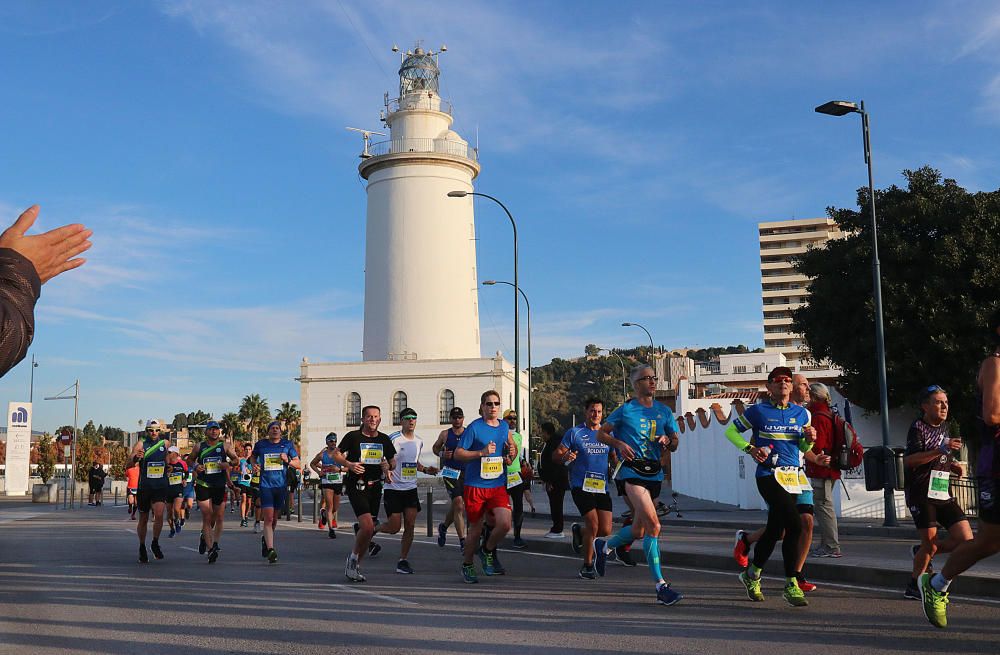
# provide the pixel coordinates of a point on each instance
(624, 375)
(842, 108)
(31, 388)
(651, 346)
(517, 314)
(527, 306)
(76, 407)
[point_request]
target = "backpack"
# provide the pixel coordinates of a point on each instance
(847, 451)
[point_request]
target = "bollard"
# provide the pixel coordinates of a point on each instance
(315, 504)
(298, 500)
(81, 498)
(116, 496)
(430, 511)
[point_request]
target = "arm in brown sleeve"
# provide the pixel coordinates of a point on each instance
(19, 291)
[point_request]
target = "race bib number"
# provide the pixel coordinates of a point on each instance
(212, 465)
(272, 462)
(175, 479)
(490, 468)
(333, 478)
(450, 473)
(255, 479)
(803, 482)
(409, 471)
(371, 453)
(595, 483)
(514, 479)
(938, 487)
(788, 478)
(154, 470)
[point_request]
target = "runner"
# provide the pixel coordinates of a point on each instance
(587, 459)
(272, 458)
(934, 589)
(331, 483)
(641, 428)
(176, 473)
(453, 474)
(487, 447)
(247, 496)
(368, 455)
(189, 495)
(515, 482)
(132, 486)
(781, 432)
(152, 494)
(402, 502)
(214, 458)
(233, 491)
(255, 493)
(930, 461)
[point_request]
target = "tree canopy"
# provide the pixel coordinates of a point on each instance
(939, 247)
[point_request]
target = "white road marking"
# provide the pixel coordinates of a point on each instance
(358, 590)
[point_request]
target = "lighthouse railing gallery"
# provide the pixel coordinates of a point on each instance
(443, 146)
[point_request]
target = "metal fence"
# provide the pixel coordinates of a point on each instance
(966, 492)
(442, 146)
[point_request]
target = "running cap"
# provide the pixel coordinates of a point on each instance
(332, 437)
(212, 424)
(174, 449)
(779, 371)
(408, 413)
(152, 423)
(456, 412)
(509, 413)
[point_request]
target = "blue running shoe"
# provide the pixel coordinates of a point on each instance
(600, 555)
(172, 532)
(667, 596)
(442, 535)
(469, 574)
(487, 560)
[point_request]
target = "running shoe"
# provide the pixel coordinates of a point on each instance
(519, 543)
(912, 590)
(624, 556)
(554, 535)
(805, 585)
(155, 549)
(179, 526)
(263, 547)
(143, 557)
(793, 595)
(322, 519)
(577, 531)
(752, 586)
(498, 568)
(469, 574)
(442, 535)
(213, 555)
(600, 555)
(588, 572)
(831, 552)
(935, 602)
(202, 546)
(741, 550)
(667, 596)
(930, 564)
(374, 549)
(332, 533)
(172, 532)
(353, 571)
(256, 527)
(333, 524)
(487, 559)
(182, 523)
(402, 566)
(272, 556)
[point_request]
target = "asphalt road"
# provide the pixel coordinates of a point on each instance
(70, 583)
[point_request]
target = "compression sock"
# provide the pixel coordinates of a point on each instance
(940, 583)
(754, 572)
(621, 538)
(651, 545)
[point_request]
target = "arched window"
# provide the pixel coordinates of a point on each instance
(398, 405)
(445, 404)
(353, 410)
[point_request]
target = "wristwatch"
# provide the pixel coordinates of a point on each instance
(747, 449)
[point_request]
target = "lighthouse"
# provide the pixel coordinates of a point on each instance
(420, 253)
(421, 342)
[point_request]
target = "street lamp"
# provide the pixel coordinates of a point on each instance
(527, 305)
(76, 406)
(31, 388)
(624, 375)
(517, 314)
(842, 108)
(651, 346)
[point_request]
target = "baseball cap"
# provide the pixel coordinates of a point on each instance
(152, 423)
(779, 371)
(272, 424)
(509, 413)
(331, 437)
(212, 424)
(174, 449)
(408, 413)
(456, 412)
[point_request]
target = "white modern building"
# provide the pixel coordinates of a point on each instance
(421, 345)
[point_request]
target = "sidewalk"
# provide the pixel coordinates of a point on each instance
(703, 537)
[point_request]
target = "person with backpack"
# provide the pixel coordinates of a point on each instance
(822, 471)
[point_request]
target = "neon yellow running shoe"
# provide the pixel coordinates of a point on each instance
(794, 595)
(753, 587)
(935, 602)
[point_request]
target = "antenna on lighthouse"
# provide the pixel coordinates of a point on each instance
(366, 135)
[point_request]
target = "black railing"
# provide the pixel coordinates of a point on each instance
(966, 492)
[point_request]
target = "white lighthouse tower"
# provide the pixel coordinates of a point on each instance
(421, 332)
(420, 255)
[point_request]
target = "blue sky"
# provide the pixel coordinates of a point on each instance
(636, 143)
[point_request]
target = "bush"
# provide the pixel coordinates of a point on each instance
(46, 458)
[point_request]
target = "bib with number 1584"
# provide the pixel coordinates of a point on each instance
(371, 453)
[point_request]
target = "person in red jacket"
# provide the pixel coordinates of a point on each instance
(821, 475)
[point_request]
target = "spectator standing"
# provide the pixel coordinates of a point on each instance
(96, 478)
(822, 476)
(555, 477)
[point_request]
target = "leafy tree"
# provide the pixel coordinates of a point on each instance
(112, 434)
(86, 451)
(255, 412)
(197, 417)
(118, 458)
(90, 433)
(45, 457)
(592, 350)
(180, 421)
(939, 247)
(291, 417)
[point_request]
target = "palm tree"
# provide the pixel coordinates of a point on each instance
(232, 425)
(291, 417)
(255, 413)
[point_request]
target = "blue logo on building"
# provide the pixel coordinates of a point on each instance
(19, 417)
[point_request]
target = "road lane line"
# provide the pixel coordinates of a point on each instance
(356, 590)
